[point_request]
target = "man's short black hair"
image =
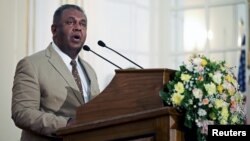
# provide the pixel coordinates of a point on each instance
(59, 11)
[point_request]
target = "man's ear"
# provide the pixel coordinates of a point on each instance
(53, 29)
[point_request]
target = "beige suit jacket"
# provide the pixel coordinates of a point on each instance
(45, 95)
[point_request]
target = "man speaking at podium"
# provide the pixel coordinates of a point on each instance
(49, 85)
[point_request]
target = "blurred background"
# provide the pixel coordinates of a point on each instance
(152, 33)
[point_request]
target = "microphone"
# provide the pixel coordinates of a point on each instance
(102, 44)
(86, 48)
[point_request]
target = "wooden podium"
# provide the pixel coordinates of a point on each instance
(128, 109)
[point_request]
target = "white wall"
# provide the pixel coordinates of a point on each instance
(125, 26)
(13, 46)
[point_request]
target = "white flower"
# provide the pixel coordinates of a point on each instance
(199, 69)
(217, 77)
(204, 125)
(202, 112)
(189, 66)
(197, 61)
(197, 93)
(224, 96)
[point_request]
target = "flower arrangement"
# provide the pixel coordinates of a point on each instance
(207, 92)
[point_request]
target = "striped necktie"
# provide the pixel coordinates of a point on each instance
(76, 76)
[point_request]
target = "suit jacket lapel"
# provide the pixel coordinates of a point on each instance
(90, 76)
(57, 62)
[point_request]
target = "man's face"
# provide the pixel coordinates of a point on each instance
(70, 33)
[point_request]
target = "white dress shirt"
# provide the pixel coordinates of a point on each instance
(66, 59)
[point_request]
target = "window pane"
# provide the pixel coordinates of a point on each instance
(195, 33)
(223, 27)
(184, 3)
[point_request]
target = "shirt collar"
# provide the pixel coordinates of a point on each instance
(64, 56)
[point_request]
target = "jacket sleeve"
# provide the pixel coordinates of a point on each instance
(26, 111)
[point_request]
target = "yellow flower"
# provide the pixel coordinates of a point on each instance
(234, 119)
(235, 83)
(210, 88)
(177, 98)
(210, 75)
(212, 116)
(223, 122)
(231, 91)
(229, 78)
(218, 103)
(203, 62)
(185, 77)
(224, 113)
(238, 98)
(222, 68)
(220, 89)
(179, 87)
